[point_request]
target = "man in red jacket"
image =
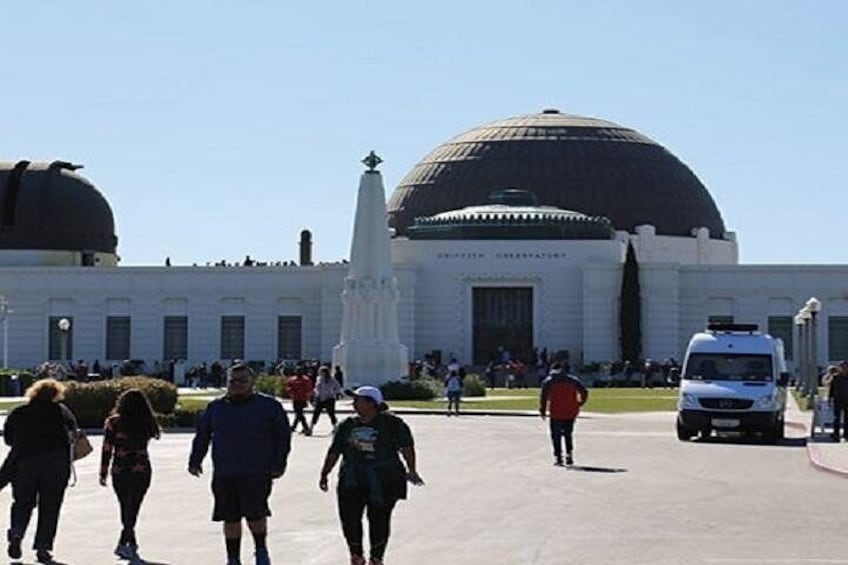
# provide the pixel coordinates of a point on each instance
(299, 389)
(562, 396)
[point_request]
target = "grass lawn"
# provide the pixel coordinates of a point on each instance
(193, 403)
(600, 400)
(608, 400)
(6, 405)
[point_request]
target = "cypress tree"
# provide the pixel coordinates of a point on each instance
(630, 311)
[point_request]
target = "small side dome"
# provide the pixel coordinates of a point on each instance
(48, 206)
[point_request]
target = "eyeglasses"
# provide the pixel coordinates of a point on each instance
(239, 380)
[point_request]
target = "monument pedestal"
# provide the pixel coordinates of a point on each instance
(371, 364)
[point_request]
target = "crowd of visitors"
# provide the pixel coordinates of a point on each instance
(250, 436)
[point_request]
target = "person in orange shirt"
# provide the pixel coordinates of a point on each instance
(561, 397)
(299, 389)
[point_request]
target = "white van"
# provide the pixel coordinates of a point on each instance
(734, 379)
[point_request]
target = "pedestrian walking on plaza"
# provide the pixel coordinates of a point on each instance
(126, 433)
(372, 475)
(327, 390)
(39, 434)
(838, 396)
(561, 398)
(251, 439)
(453, 391)
(299, 389)
(491, 373)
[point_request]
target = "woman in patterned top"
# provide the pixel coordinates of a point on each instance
(127, 432)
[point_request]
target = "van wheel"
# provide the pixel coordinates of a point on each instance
(780, 429)
(683, 434)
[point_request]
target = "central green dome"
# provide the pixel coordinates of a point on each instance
(587, 165)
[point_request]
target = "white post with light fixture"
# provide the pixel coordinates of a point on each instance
(64, 326)
(814, 306)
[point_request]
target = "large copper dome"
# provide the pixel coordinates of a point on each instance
(50, 206)
(572, 162)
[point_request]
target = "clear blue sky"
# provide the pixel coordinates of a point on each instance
(220, 129)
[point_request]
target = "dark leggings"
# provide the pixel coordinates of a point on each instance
(40, 480)
(351, 504)
(130, 489)
(562, 429)
(840, 419)
(299, 416)
(328, 405)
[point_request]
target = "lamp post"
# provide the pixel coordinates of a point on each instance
(64, 326)
(801, 353)
(4, 317)
(814, 306)
(804, 314)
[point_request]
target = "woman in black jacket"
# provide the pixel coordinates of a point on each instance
(39, 435)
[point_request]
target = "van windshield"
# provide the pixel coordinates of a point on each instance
(724, 367)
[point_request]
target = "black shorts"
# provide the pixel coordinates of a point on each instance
(243, 496)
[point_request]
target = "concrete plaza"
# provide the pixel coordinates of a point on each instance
(637, 495)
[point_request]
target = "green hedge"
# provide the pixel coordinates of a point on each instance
(473, 385)
(179, 418)
(92, 402)
(25, 378)
(274, 385)
(424, 388)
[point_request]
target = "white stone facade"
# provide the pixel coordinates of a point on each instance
(575, 298)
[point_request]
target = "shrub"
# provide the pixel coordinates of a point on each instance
(179, 418)
(92, 402)
(270, 384)
(25, 380)
(418, 389)
(473, 385)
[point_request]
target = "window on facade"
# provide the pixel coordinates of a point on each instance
(782, 327)
(289, 337)
(117, 337)
(60, 343)
(837, 337)
(720, 319)
(175, 337)
(232, 337)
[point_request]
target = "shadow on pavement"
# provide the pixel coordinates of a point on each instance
(794, 442)
(589, 469)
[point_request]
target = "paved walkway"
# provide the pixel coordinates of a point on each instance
(823, 453)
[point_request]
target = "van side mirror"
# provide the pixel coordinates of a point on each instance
(784, 379)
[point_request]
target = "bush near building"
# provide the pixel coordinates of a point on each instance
(427, 388)
(92, 402)
(7, 388)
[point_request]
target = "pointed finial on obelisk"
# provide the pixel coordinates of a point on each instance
(371, 161)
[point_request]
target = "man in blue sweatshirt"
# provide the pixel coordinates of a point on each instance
(251, 440)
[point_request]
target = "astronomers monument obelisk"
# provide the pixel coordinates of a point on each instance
(370, 351)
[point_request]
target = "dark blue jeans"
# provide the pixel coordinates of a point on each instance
(561, 429)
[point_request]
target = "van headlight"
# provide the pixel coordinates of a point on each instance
(767, 401)
(688, 401)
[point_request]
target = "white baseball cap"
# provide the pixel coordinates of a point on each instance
(371, 392)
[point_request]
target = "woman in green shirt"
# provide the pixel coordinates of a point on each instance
(372, 475)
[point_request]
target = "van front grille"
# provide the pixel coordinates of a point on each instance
(727, 403)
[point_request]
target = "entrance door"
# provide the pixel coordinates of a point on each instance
(503, 317)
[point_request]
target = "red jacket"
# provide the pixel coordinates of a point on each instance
(299, 388)
(562, 396)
